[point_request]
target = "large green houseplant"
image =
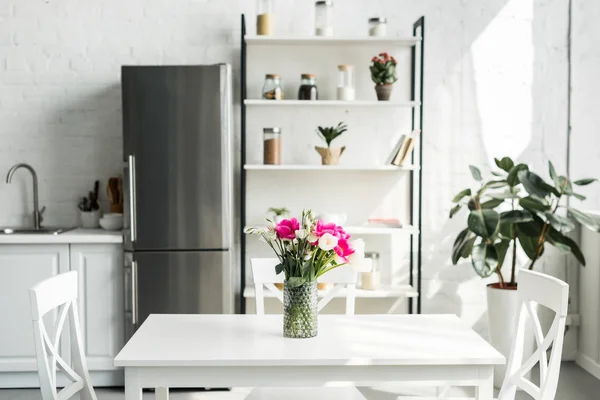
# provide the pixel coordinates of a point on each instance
(516, 208)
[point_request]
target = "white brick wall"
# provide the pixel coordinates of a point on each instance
(495, 76)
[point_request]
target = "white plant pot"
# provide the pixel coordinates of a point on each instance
(90, 219)
(502, 315)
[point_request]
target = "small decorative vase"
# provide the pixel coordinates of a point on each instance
(384, 92)
(300, 311)
(90, 219)
(330, 156)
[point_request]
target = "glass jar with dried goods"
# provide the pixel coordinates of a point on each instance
(324, 18)
(264, 17)
(372, 279)
(377, 27)
(308, 87)
(272, 88)
(345, 86)
(272, 146)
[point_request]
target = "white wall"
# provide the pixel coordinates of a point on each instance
(495, 85)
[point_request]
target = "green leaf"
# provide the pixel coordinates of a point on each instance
(564, 184)
(515, 216)
(496, 173)
(468, 247)
(584, 219)
(475, 172)
(455, 209)
(484, 259)
(505, 164)
(497, 184)
(553, 175)
(565, 243)
(532, 228)
(461, 240)
(295, 281)
(531, 203)
(501, 248)
(577, 196)
(560, 223)
(279, 268)
(529, 244)
(503, 195)
(535, 185)
(493, 203)
(505, 230)
(513, 178)
(461, 195)
(483, 222)
(583, 182)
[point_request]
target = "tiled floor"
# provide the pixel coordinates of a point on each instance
(575, 384)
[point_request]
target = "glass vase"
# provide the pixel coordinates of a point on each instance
(300, 310)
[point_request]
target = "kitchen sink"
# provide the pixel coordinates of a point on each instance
(33, 231)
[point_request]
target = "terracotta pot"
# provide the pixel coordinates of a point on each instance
(384, 92)
(330, 156)
(279, 286)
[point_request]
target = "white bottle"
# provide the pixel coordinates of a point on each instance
(345, 87)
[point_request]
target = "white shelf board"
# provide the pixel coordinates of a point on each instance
(367, 230)
(331, 41)
(396, 291)
(357, 168)
(329, 103)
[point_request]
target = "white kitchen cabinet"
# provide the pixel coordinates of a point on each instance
(101, 308)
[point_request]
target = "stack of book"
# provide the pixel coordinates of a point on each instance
(403, 149)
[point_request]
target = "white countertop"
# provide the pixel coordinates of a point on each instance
(73, 236)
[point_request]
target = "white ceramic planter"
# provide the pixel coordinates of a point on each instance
(502, 315)
(90, 219)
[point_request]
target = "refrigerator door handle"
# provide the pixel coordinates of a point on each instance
(134, 296)
(132, 205)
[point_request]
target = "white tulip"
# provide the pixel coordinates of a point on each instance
(300, 234)
(328, 242)
(311, 238)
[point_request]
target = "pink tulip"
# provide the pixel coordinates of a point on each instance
(322, 228)
(286, 229)
(343, 249)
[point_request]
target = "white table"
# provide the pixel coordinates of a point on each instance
(359, 350)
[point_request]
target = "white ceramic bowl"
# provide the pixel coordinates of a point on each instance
(113, 216)
(111, 224)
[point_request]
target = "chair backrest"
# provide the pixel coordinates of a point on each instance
(536, 288)
(263, 272)
(59, 292)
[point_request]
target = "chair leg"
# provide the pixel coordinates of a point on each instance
(485, 388)
(162, 393)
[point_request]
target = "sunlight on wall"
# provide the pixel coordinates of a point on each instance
(503, 78)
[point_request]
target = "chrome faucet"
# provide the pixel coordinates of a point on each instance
(37, 213)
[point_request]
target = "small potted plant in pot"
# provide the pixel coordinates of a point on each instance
(90, 209)
(329, 155)
(383, 73)
(516, 209)
(278, 214)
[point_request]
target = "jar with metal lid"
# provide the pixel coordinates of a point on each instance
(272, 88)
(371, 280)
(378, 27)
(272, 146)
(345, 86)
(264, 17)
(324, 18)
(308, 87)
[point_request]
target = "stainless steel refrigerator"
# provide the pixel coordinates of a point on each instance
(177, 196)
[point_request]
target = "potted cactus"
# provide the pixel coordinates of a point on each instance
(90, 209)
(329, 155)
(383, 73)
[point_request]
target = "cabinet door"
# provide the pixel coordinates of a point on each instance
(100, 268)
(21, 267)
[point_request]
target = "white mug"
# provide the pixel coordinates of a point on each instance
(332, 218)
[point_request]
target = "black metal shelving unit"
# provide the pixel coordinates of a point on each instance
(417, 73)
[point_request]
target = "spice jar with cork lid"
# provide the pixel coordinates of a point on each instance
(264, 17)
(272, 88)
(308, 87)
(345, 86)
(272, 146)
(372, 279)
(324, 18)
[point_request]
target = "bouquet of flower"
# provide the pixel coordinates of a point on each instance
(309, 248)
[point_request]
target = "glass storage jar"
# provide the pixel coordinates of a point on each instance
(264, 17)
(308, 87)
(324, 18)
(371, 280)
(272, 146)
(378, 27)
(272, 88)
(345, 86)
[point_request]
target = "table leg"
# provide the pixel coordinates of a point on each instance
(485, 388)
(133, 390)
(162, 393)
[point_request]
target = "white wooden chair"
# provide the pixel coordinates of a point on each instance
(343, 278)
(535, 288)
(59, 292)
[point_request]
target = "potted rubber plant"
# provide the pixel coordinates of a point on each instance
(383, 73)
(517, 209)
(90, 209)
(331, 155)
